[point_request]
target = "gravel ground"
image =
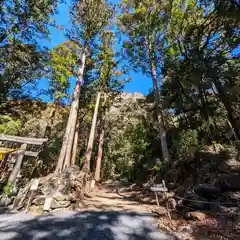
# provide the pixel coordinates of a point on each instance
(80, 225)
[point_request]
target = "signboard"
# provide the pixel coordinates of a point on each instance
(159, 187)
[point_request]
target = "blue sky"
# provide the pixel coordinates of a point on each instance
(139, 82)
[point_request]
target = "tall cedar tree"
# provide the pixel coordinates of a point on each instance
(143, 23)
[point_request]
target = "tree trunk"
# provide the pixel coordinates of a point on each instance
(17, 166)
(88, 152)
(230, 112)
(163, 137)
(232, 129)
(75, 143)
(99, 156)
(65, 153)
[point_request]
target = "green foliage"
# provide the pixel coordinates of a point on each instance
(7, 189)
(107, 76)
(199, 68)
(63, 64)
(8, 125)
(89, 19)
(22, 59)
(156, 167)
(20, 64)
(127, 147)
(143, 25)
(189, 44)
(188, 144)
(26, 20)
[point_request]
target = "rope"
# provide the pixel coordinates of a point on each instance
(200, 201)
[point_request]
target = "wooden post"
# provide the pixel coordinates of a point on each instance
(159, 188)
(33, 190)
(17, 166)
(156, 195)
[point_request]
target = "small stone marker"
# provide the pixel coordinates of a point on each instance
(47, 204)
(92, 184)
(33, 189)
(34, 185)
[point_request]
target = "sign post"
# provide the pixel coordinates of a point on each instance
(157, 188)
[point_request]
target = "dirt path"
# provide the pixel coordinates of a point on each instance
(106, 215)
(109, 199)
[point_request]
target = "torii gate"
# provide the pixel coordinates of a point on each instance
(20, 152)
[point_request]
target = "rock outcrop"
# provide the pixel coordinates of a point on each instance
(65, 191)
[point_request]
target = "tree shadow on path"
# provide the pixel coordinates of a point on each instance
(82, 225)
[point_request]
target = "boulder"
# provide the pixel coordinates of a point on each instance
(159, 210)
(228, 183)
(232, 195)
(228, 210)
(208, 192)
(230, 165)
(172, 203)
(230, 199)
(193, 201)
(5, 200)
(196, 216)
(60, 184)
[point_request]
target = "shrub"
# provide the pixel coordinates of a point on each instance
(8, 188)
(8, 125)
(188, 144)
